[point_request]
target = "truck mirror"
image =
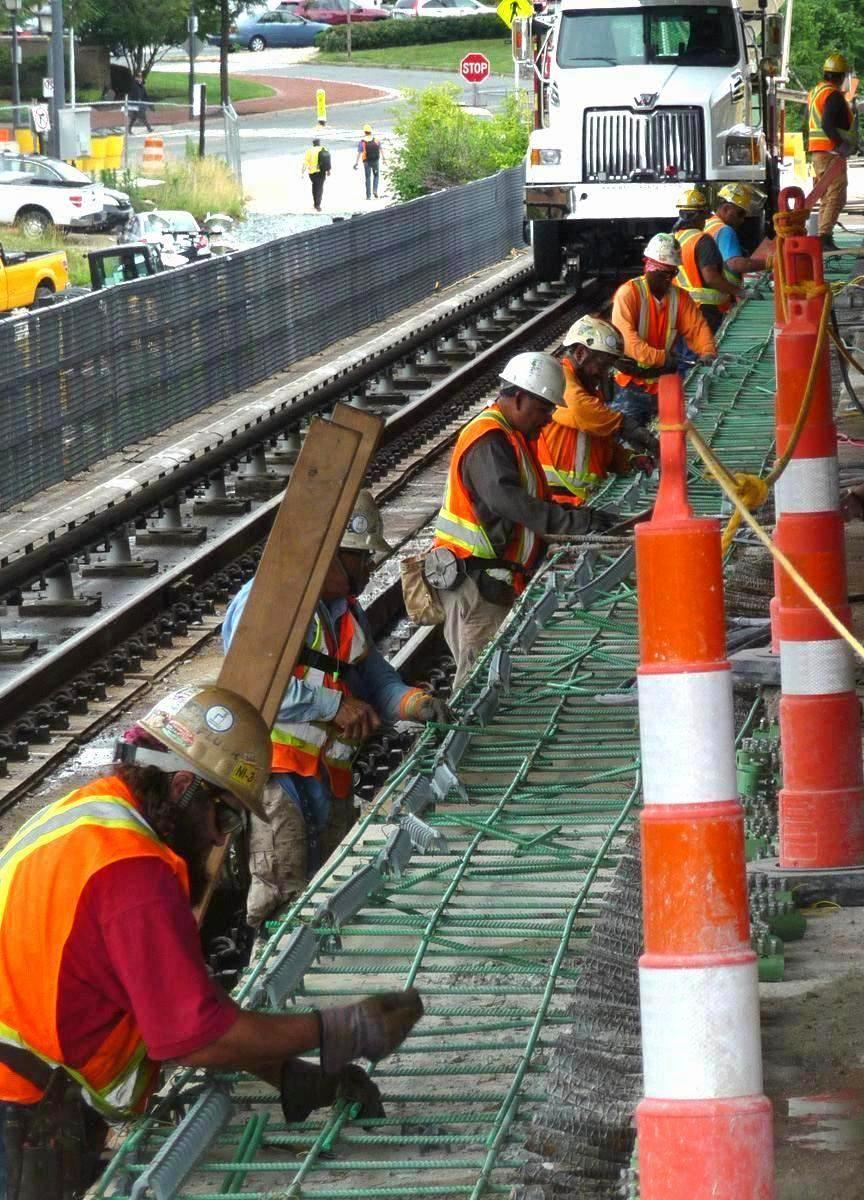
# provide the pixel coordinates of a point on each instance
(520, 39)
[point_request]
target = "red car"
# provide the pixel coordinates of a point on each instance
(334, 12)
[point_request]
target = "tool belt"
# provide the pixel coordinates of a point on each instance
(52, 1148)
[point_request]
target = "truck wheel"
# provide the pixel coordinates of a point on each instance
(44, 295)
(34, 222)
(257, 43)
(546, 240)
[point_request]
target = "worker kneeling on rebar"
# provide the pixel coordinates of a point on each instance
(341, 691)
(586, 440)
(497, 509)
(102, 977)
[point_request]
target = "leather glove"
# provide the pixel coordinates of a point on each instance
(640, 437)
(371, 1029)
(420, 705)
(304, 1087)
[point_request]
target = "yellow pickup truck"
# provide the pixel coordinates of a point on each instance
(31, 277)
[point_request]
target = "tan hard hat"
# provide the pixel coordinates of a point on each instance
(595, 334)
(365, 528)
(742, 195)
(219, 736)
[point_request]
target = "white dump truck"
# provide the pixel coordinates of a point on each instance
(634, 99)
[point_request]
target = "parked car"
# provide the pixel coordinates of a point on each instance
(175, 233)
(277, 28)
(439, 8)
(37, 192)
(31, 277)
(122, 264)
(333, 12)
(116, 211)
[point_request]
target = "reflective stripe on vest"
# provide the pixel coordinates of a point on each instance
(458, 525)
(574, 476)
(713, 226)
(299, 747)
(44, 870)
(817, 139)
(657, 325)
(689, 277)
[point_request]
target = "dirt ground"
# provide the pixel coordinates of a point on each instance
(813, 1049)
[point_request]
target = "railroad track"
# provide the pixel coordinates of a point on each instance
(72, 659)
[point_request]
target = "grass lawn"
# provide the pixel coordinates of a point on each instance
(173, 86)
(438, 56)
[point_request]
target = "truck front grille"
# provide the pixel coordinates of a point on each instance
(620, 145)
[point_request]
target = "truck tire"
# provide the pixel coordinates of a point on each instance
(546, 240)
(44, 295)
(34, 222)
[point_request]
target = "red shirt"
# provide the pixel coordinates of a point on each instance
(134, 947)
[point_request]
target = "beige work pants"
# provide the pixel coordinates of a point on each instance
(834, 201)
(469, 624)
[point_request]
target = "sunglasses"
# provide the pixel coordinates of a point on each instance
(228, 820)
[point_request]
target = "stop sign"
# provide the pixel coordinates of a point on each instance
(474, 67)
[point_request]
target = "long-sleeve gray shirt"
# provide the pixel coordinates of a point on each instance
(490, 472)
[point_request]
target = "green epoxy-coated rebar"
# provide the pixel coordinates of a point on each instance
(493, 932)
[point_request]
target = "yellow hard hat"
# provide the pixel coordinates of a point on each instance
(217, 735)
(740, 194)
(835, 64)
(692, 198)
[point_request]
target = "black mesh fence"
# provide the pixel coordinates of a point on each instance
(80, 381)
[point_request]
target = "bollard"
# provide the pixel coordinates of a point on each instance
(704, 1126)
(822, 799)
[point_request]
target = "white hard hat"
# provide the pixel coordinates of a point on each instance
(595, 334)
(663, 249)
(539, 374)
(365, 529)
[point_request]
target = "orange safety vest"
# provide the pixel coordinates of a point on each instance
(44, 870)
(817, 138)
(300, 747)
(657, 325)
(459, 527)
(689, 277)
(573, 461)
(713, 226)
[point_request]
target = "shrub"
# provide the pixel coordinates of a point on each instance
(375, 35)
(438, 144)
(197, 185)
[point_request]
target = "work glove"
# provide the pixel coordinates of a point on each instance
(640, 437)
(304, 1087)
(371, 1029)
(420, 705)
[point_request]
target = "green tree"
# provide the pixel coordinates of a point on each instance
(439, 144)
(820, 28)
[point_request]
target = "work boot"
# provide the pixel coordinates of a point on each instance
(828, 243)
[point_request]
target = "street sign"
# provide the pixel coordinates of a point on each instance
(41, 118)
(474, 67)
(197, 98)
(509, 10)
(47, 87)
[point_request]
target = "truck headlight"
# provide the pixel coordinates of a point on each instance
(550, 158)
(740, 152)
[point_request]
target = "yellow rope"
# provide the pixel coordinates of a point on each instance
(719, 472)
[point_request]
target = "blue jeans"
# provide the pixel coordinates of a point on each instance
(635, 402)
(371, 171)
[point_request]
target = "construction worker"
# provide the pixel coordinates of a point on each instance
(102, 978)
(584, 441)
(341, 690)
(497, 509)
(736, 202)
(831, 134)
(316, 164)
(369, 153)
(701, 272)
(651, 314)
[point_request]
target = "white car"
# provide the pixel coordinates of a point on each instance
(37, 192)
(438, 8)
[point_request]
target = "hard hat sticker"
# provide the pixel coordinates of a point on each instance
(245, 772)
(358, 524)
(219, 718)
(178, 732)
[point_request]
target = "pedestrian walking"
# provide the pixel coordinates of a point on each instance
(316, 164)
(140, 103)
(831, 134)
(369, 153)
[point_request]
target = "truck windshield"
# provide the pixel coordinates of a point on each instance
(689, 35)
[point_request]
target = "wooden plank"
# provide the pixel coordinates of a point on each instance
(368, 428)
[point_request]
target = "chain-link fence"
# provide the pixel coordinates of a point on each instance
(80, 380)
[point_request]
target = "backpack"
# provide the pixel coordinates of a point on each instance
(372, 152)
(324, 160)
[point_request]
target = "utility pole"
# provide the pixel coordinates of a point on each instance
(224, 25)
(13, 7)
(192, 29)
